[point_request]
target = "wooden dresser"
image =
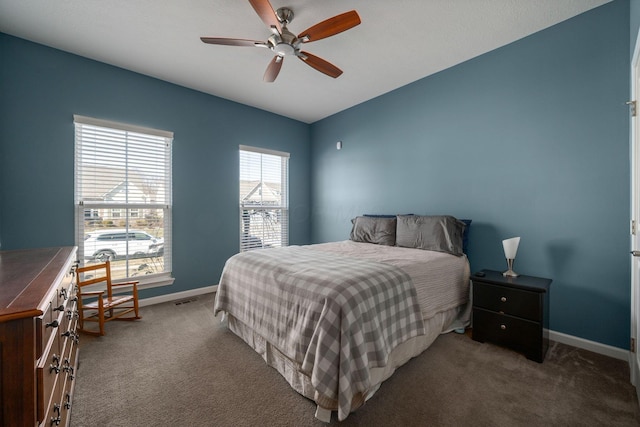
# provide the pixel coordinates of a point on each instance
(38, 339)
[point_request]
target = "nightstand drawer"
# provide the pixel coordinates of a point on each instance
(518, 334)
(515, 302)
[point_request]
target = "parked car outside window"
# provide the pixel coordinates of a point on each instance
(112, 244)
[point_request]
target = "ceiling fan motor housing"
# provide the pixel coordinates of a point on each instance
(285, 43)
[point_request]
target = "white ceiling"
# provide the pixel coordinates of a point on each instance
(398, 42)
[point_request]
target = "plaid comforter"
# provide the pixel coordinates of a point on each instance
(334, 316)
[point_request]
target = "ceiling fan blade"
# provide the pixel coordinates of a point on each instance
(265, 11)
(320, 64)
(273, 69)
(232, 42)
(330, 27)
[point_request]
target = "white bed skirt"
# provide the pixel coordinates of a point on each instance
(447, 321)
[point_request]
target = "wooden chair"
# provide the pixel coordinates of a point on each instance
(104, 308)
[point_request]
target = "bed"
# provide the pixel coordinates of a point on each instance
(337, 319)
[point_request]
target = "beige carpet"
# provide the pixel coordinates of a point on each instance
(178, 367)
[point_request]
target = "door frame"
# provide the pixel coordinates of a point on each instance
(634, 355)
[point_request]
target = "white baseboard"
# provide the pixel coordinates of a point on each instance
(178, 295)
(596, 347)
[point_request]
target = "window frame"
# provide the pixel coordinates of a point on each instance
(245, 240)
(82, 205)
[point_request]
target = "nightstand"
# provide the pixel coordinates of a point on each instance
(512, 312)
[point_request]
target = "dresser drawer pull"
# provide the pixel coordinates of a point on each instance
(503, 299)
(67, 403)
(55, 364)
(59, 308)
(63, 293)
(503, 327)
(67, 366)
(66, 334)
(56, 421)
(53, 324)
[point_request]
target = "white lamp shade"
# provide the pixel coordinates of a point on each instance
(510, 247)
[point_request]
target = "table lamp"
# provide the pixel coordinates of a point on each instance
(510, 247)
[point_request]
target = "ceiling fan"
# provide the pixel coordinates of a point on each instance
(284, 43)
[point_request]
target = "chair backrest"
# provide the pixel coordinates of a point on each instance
(102, 274)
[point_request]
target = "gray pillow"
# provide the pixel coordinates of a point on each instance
(381, 231)
(442, 233)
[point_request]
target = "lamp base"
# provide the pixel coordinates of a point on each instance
(510, 273)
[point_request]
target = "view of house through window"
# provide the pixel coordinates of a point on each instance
(123, 198)
(264, 200)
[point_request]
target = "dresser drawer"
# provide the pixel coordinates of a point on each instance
(57, 304)
(48, 372)
(70, 367)
(46, 325)
(65, 288)
(53, 414)
(66, 403)
(519, 334)
(67, 319)
(502, 299)
(69, 344)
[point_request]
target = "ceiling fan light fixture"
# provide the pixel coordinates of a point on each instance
(284, 49)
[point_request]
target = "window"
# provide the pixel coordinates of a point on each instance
(264, 198)
(123, 198)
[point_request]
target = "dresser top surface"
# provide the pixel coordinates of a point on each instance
(26, 277)
(532, 283)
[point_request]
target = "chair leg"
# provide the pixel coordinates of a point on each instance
(135, 302)
(101, 315)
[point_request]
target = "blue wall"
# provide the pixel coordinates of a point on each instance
(42, 88)
(529, 140)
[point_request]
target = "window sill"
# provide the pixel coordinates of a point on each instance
(145, 282)
(150, 280)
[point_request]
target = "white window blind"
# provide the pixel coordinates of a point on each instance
(264, 198)
(123, 198)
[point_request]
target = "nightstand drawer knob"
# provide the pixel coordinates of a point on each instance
(503, 326)
(503, 299)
